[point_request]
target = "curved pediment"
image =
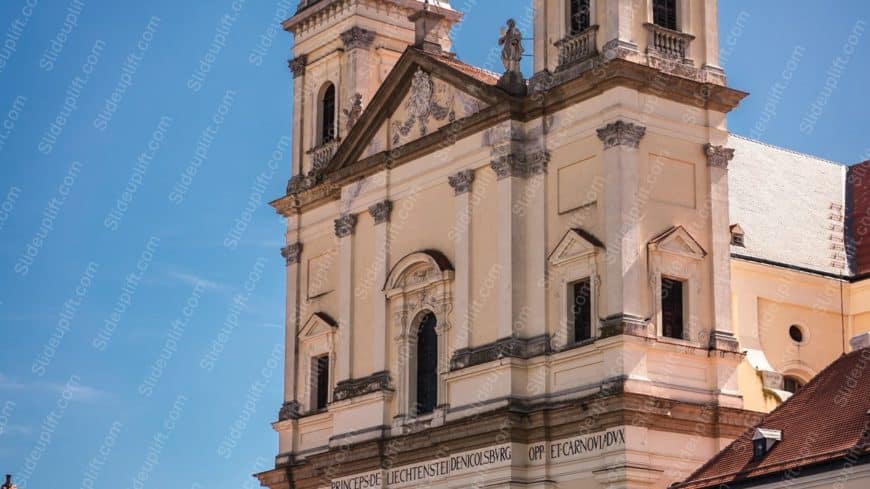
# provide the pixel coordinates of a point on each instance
(418, 270)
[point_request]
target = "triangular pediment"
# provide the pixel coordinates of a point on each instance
(317, 324)
(423, 94)
(575, 244)
(678, 241)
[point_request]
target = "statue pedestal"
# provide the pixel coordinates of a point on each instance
(513, 83)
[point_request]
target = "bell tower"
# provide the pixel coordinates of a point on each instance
(678, 35)
(343, 50)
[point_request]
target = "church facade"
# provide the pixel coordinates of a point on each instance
(572, 281)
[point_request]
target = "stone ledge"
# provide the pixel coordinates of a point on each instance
(376, 382)
(512, 347)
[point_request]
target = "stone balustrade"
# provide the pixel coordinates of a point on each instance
(668, 43)
(322, 155)
(578, 47)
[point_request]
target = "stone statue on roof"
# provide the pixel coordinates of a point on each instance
(512, 47)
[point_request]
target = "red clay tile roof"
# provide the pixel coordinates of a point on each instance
(475, 72)
(826, 420)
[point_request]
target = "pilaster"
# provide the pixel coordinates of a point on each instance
(357, 78)
(722, 336)
(461, 236)
(344, 229)
(381, 212)
(625, 288)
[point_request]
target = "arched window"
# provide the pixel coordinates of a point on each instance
(580, 16)
(665, 13)
(327, 115)
(427, 365)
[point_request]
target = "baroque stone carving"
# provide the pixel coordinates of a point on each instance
(291, 253)
(422, 106)
(621, 133)
(511, 55)
(345, 225)
(297, 65)
(357, 37)
(718, 156)
(348, 389)
(289, 410)
(461, 181)
(381, 211)
(520, 165)
(355, 111)
(503, 348)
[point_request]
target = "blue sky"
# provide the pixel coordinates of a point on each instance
(141, 293)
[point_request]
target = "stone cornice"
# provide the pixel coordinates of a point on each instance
(348, 389)
(345, 225)
(621, 133)
(357, 37)
(292, 253)
(381, 211)
(461, 181)
(289, 410)
(297, 65)
(718, 156)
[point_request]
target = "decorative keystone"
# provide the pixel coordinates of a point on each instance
(461, 182)
(621, 133)
(345, 225)
(291, 253)
(718, 156)
(381, 211)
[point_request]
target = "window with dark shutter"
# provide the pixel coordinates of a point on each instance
(580, 16)
(427, 365)
(320, 376)
(580, 312)
(327, 108)
(665, 13)
(672, 308)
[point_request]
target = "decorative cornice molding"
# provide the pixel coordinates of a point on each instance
(522, 165)
(376, 382)
(345, 225)
(504, 348)
(291, 253)
(297, 65)
(718, 156)
(357, 37)
(461, 181)
(621, 133)
(381, 211)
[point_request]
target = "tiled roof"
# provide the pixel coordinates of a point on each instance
(475, 72)
(790, 205)
(827, 420)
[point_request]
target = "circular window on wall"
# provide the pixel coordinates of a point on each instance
(796, 333)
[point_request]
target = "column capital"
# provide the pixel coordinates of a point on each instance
(621, 133)
(461, 181)
(292, 253)
(521, 165)
(357, 37)
(345, 225)
(297, 65)
(381, 211)
(718, 156)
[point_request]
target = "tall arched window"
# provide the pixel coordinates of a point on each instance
(665, 13)
(327, 115)
(427, 365)
(580, 16)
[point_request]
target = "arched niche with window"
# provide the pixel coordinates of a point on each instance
(326, 114)
(420, 301)
(574, 266)
(579, 16)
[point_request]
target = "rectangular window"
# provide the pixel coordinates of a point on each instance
(665, 13)
(580, 310)
(581, 18)
(319, 382)
(672, 308)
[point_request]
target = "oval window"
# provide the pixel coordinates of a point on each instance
(796, 334)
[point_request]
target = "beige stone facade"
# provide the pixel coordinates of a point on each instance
(431, 192)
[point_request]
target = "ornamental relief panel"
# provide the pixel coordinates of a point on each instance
(430, 104)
